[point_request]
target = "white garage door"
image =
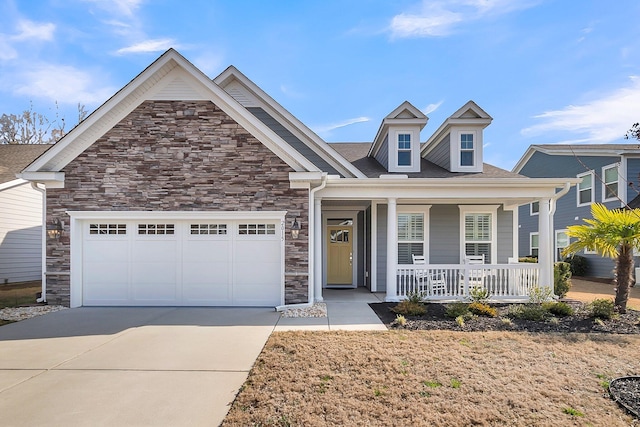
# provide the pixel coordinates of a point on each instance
(182, 262)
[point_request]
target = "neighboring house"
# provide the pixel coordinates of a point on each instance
(608, 174)
(182, 190)
(20, 216)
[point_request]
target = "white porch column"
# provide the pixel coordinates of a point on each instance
(545, 243)
(392, 250)
(317, 250)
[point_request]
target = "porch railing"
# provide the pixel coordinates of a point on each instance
(454, 281)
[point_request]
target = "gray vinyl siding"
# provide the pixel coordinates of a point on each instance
(361, 246)
(505, 235)
(444, 234)
(292, 140)
(633, 179)
(367, 268)
(381, 241)
(441, 155)
(382, 156)
(567, 212)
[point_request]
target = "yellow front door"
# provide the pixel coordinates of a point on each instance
(339, 255)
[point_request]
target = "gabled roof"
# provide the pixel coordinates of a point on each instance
(171, 75)
(469, 114)
(253, 98)
(15, 157)
(614, 150)
(404, 114)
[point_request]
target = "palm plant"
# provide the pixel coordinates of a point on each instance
(612, 233)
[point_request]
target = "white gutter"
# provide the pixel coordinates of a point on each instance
(43, 252)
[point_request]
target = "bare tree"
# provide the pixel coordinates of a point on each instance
(634, 132)
(31, 127)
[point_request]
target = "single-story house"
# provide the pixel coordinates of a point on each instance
(183, 190)
(21, 238)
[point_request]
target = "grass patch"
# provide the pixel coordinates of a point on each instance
(367, 378)
(17, 294)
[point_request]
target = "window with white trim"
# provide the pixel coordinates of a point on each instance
(534, 244)
(209, 229)
(478, 235)
(610, 183)
(256, 229)
(410, 236)
(588, 251)
(156, 229)
(534, 208)
(404, 149)
(585, 189)
(107, 229)
(467, 149)
(562, 241)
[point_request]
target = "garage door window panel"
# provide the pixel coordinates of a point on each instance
(256, 229)
(208, 229)
(107, 229)
(156, 229)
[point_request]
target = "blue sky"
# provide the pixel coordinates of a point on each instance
(547, 71)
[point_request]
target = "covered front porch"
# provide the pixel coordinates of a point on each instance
(367, 233)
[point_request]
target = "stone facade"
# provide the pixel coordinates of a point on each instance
(177, 156)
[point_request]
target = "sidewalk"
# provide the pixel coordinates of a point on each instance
(347, 310)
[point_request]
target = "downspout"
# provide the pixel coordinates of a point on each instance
(43, 252)
(313, 269)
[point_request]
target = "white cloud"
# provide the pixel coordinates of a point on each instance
(432, 107)
(121, 7)
(324, 129)
(601, 120)
(290, 92)
(157, 45)
(209, 62)
(63, 84)
(7, 51)
(440, 18)
(29, 30)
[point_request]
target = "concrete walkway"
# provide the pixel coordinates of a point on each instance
(347, 309)
(145, 366)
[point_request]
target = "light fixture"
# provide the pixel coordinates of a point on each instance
(54, 230)
(295, 229)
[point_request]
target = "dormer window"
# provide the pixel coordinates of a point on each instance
(467, 149)
(404, 149)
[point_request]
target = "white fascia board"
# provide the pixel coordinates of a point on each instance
(467, 121)
(14, 183)
(177, 215)
(404, 122)
(304, 180)
(504, 189)
(325, 151)
(524, 159)
(139, 89)
(42, 176)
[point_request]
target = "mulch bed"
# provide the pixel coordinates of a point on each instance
(626, 391)
(435, 319)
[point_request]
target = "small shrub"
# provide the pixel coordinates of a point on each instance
(560, 309)
(409, 308)
(460, 321)
(506, 321)
(455, 383)
(432, 384)
(479, 294)
(481, 309)
(400, 321)
(456, 309)
(579, 265)
(530, 259)
(561, 278)
(540, 294)
(533, 312)
(601, 308)
(416, 297)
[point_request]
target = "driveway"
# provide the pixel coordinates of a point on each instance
(128, 366)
